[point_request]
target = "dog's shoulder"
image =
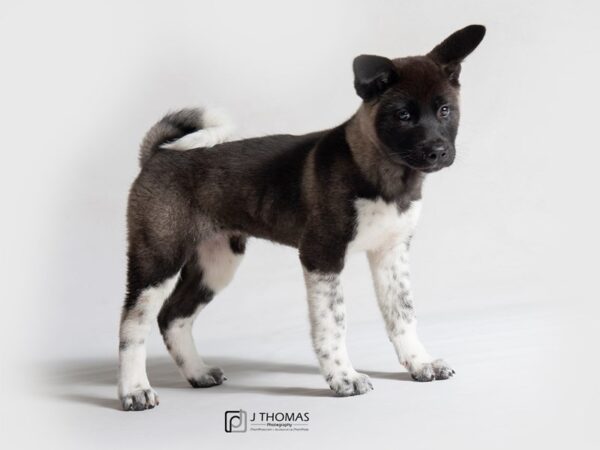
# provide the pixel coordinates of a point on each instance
(333, 169)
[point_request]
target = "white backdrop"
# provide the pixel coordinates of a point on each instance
(514, 222)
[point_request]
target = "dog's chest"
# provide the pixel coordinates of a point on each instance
(379, 223)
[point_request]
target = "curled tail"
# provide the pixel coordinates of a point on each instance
(185, 129)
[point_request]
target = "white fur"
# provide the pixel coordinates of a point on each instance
(218, 262)
(379, 224)
(182, 347)
(386, 234)
(328, 330)
(391, 277)
(135, 327)
(217, 128)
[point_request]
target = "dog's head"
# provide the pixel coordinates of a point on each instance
(412, 103)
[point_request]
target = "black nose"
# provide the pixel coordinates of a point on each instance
(438, 151)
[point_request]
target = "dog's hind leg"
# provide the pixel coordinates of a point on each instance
(147, 291)
(205, 274)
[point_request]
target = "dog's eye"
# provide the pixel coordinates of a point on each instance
(444, 111)
(402, 115)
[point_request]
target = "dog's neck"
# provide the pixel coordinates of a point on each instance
(396, 182)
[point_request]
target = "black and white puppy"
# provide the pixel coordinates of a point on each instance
(352, 188)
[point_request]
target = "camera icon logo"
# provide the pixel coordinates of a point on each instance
(235, 421)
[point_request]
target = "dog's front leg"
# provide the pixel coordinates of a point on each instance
(328, 329)
(390, 269)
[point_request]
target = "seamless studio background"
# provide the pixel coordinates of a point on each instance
(504, 262)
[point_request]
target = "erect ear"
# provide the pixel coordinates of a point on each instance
(455, 48)
(372, 75)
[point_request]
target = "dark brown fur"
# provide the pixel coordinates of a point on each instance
(294, 190)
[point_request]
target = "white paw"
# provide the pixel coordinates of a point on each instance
(139, 400)
(346, 383)
(442, 370)
(436, 370)
(210, 376)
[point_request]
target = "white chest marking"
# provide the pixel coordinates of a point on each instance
(379, 223)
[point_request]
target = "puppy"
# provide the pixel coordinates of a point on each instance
(352, 188)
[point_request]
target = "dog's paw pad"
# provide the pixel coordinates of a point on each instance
(346, 385)
(139, 400)
(442, 370)
(213, 376)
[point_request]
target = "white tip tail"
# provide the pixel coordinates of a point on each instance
(216, 129)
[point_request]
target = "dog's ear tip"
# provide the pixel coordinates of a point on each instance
(356, 62)
(477, 27)
(366, 67)
(365, 60)
(458, 45)
(477, 30)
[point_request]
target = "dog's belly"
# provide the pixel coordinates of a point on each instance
(379, 224)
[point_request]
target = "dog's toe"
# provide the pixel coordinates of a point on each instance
(212, 376)
(442, 370)
(346, 385)
(436, 370)
(139, 400)
(424, 373)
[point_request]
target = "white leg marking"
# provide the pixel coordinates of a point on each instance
(218, 264)
(391, 276)
(328, 330)
(134, 388)
(180, 341)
